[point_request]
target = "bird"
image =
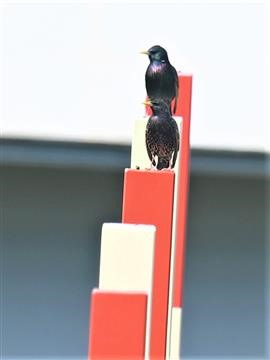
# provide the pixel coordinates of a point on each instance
(161, 78)
(161, 135)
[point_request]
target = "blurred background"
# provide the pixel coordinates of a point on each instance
(72, 84)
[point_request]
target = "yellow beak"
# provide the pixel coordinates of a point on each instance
(147, 103)
(146, 52)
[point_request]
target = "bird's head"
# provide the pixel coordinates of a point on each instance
(158, 106)
(157, 53)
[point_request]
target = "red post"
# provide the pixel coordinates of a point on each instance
(148, 199)
(117, 325)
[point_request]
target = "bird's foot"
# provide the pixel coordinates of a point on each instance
(151, 168)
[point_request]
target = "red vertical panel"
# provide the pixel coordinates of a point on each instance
(148, 199)
(117, 325)
(184, 110)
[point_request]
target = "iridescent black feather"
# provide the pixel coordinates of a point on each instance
(161, 78)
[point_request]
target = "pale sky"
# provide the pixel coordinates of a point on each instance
(72, 69)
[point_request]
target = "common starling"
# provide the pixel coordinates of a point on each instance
(162, 135)
(161, 79)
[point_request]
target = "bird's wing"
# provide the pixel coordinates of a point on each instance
(147, 145)
(177, 141)
(152, 82)
(176, 89)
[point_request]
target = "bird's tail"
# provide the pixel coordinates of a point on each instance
(163, 163)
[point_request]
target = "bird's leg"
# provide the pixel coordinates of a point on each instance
(171, 165)
(153, 164)
(151, 167)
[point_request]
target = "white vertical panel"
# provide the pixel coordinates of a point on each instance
(175, 338)
(126, 262)
(139, 157)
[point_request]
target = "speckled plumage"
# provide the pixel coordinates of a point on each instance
(162, 136)
(161, 78)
